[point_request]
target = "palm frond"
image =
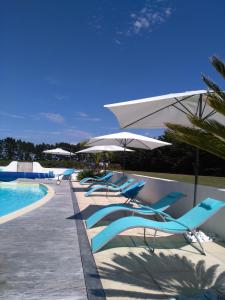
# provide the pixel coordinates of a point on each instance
(217, 103)
(197, 138)
(212, 126)
(212, 85)
(218, 64)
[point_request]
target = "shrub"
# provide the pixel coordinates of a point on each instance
(85, 173)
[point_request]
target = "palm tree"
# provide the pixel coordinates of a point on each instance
(208, 134)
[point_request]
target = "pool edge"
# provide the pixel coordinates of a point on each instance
(30, 207)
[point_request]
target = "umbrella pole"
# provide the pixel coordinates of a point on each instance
(196, 176)
(196, 170)
(124, 160)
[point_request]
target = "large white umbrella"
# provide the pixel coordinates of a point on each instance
(154, 112)
(127, 139)
(109, 148)
(58, 151)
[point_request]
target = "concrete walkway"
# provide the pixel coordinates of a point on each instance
(40, 254)
(128, 270)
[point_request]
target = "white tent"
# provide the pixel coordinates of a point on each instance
(109, 148)
(127, 139)
(58, 151)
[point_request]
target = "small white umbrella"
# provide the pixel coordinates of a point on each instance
(154, 112)
(58, 151)
(109, 148)
(106, 148)
(127, 139)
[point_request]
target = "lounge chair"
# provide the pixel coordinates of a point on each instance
(186, 223)
(66, 173)
(103, 178)
(120, 180)
(161, 205)
(109, 188)
(131, 191)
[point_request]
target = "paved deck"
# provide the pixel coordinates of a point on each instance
(40, 253)
(129, 271)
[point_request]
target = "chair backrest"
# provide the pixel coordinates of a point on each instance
(126, 183)
(168, 200)
(132, 191)
(68, 172)
(120, 180)
(107, 176)
(201, 212)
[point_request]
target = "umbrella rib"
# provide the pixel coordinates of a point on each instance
(163, 108)
(145, 145)
(120, 142)
(179, 102)
(204, 107)
(130, 142)
(92, 143)
(178, 108)
(213, 112)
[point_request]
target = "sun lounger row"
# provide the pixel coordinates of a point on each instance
(189, 222)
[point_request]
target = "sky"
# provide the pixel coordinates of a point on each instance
(61, 61)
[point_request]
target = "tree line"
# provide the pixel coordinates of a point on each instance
(177, 158)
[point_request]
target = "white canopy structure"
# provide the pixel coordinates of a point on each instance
(154, 112)
(108, 148)
(58, 151)
(127, 139)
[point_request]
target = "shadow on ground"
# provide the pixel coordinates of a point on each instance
(79, 189)
(162, 275)
(92, 208)
(138, 241)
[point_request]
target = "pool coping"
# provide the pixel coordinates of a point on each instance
(29, 207)
(92, 278)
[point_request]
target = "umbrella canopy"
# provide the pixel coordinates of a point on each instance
(109, 148)
(127, 139)
(154, 112)
(58, 151)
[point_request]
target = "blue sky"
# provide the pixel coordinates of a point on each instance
(61, 61)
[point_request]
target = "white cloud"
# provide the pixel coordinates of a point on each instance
(51, 80)
(59, 97)
(82, 114)
(39, 136)
(152, 14)
(10, 115)
(77, 133)
(85, 117)
(53, 117)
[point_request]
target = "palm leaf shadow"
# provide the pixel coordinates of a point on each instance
(161, 275)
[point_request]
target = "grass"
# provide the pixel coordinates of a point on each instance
(204, 180)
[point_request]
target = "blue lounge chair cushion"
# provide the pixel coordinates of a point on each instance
(156, 208)
(109, 188)
(189, 221)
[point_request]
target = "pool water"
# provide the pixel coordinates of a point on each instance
(17, 195)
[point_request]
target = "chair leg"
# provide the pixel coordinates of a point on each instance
(152, 248)
(200, 248)
(127, 201)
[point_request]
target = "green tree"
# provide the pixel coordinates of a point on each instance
(206, 134)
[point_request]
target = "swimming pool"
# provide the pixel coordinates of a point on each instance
(15, 197)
